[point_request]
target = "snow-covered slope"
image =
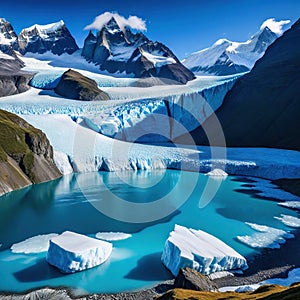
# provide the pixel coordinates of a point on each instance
(226, 57)
(117, 49)
(53, 37)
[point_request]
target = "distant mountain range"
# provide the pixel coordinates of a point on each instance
(262, 108)
(225, 57)
(113, 49)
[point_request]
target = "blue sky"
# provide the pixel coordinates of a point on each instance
(184, 26)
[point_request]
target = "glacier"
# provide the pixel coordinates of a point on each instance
(88, 151)
(200, 251)
(159, 119)
(72, 252)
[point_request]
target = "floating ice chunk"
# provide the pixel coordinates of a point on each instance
(200, 251)
(267, 237)
(291, 204)
(71, 252)
(217, 173)
(113, 236)
(36, 244)
(289, 220)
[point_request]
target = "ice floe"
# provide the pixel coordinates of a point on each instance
(112, 236)
(266, 237)
(35, 244)
(71, 252)
(290, 204)
(200, 251)
(289, 220)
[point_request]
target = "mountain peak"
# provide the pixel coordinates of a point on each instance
(112, 26)
(46, 28)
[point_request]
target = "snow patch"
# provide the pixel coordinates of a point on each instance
(112, 236)
(36, 244)
(267, 237)
(71, 252)
(200, 251)
(158, 60)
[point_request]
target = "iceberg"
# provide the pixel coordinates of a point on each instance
(266, 237)
(113, 236)
(35, 244)
(71, 252)
(217, 173)
(200, 251)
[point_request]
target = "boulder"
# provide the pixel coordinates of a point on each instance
(74, 85)
(190, 279)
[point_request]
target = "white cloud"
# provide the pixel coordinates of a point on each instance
(275, 26)
(133, 22)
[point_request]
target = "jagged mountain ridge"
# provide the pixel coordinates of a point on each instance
(225, 57)
(116, 50)
(54, 37)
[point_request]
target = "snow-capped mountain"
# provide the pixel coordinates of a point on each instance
(8, 37)
(262, 109)
(225, 57)
(53, 37)
(117, 50)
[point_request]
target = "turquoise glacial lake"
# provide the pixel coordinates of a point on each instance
(121, 202)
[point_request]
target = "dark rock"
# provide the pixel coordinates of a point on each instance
(116, 50)
(12, 79)
(262, 109)
(74, 85)
(192, 280)
(26, 155)
(55, 38)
